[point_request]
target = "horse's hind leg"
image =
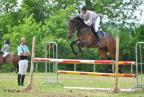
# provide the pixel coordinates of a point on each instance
(16, 68)
(104, 55)
(111, 46)
(112, 52)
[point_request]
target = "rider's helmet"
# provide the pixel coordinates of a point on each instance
(83, 7)
(7, 42)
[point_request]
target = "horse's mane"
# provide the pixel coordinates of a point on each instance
(80, 19)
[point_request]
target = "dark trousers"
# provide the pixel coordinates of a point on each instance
(21, 79)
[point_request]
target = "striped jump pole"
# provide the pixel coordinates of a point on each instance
(95, 74)
(78, 61)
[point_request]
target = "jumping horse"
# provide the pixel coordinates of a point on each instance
(85, 38)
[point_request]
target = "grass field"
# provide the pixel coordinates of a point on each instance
(8, 82)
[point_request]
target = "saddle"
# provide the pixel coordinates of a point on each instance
(99, 34)
(5, 58)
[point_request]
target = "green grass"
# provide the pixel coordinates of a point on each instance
(9, 81)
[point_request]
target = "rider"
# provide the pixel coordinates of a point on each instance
(6, 49)
(91, 19)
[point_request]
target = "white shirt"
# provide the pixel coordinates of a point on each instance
(90, 17)
(22, 49)
(6, 48)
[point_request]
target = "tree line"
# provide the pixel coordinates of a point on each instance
(47, 21)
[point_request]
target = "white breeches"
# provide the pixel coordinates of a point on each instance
(5, 54)
(23, 64)
(97, 23)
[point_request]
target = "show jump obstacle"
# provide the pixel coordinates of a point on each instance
(95, 74)
(77, 61)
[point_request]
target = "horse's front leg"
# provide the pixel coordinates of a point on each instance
(72, 47)
(79, 44)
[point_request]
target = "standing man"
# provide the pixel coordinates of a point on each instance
(91, 19)
(23, 53)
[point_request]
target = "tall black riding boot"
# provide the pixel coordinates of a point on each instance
(22, 80)
(97, 37)
(19, 79)
(95, 34)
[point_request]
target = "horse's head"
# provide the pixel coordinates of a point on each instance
(73, 25)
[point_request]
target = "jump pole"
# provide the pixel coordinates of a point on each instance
(29, 86)
(116, 88)
(95, 74)
(79, 61)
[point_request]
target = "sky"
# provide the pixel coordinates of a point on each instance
(19, 2)
(139, 14)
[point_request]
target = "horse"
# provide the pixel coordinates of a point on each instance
(11, 58)
(85, 38)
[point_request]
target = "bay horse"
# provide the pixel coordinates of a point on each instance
(11, 58)
(85, 38)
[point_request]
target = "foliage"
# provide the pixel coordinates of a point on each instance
(7, 68)
(47, 21)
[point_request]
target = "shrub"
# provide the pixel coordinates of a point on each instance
(7, 68)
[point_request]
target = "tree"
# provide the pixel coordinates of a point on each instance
(47, 21)
(37, 8)
(8, 6)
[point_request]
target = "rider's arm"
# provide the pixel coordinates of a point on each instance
(27, 51)
(81, 15)
(89, 21)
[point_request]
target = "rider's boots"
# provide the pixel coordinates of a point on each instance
(98, 40)
(96, 35)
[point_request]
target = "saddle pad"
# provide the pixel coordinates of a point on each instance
(101, 34)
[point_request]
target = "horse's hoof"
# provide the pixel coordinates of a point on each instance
(78, 42)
